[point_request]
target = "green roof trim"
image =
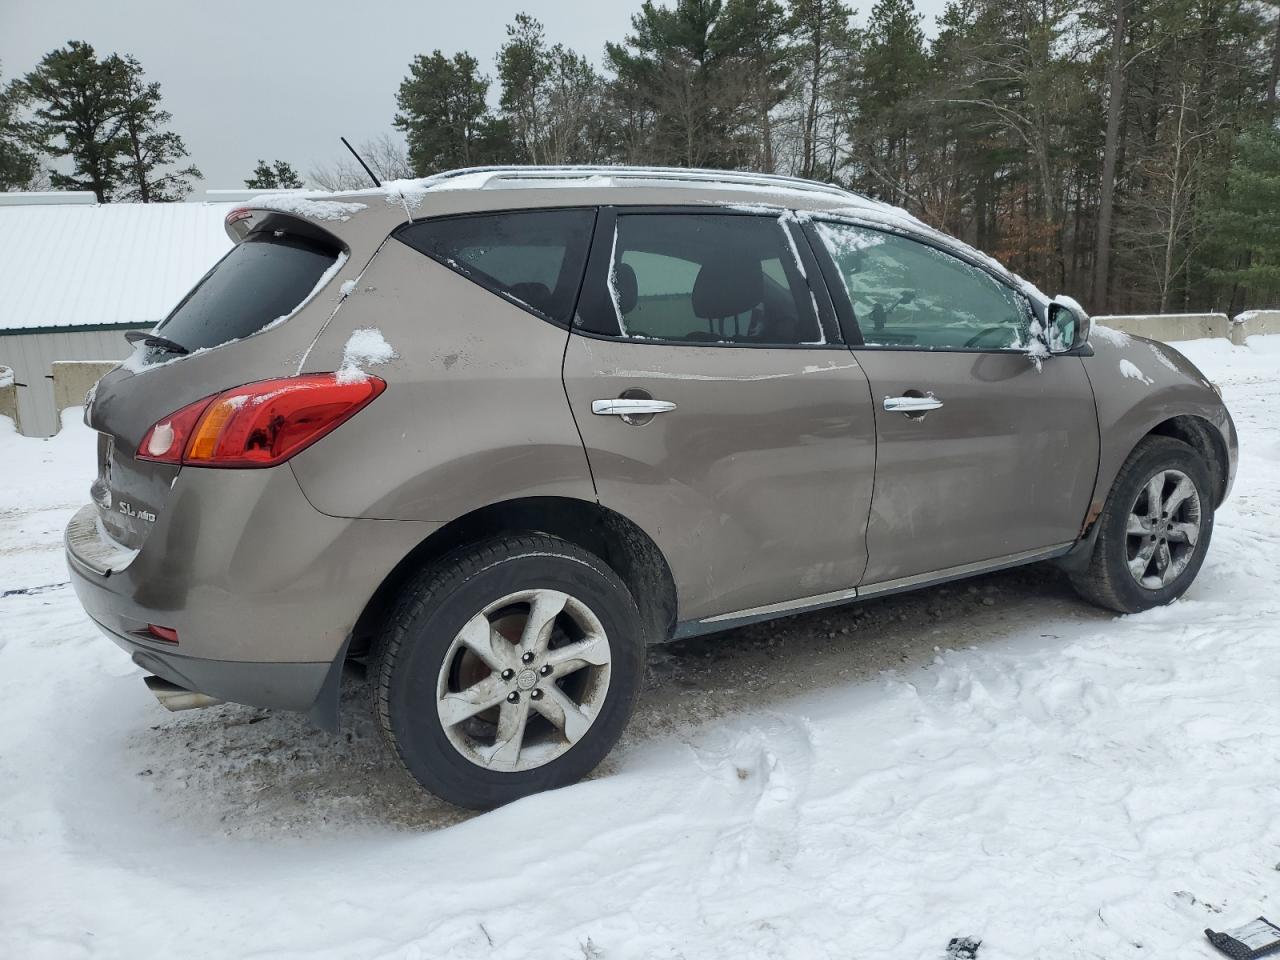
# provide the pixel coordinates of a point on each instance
(74, 328)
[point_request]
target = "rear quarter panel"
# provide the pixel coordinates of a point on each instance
(1139, 384)
(474, 412)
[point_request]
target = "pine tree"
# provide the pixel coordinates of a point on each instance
(17, 164)
(890, 79)
(823, 45)
(444, 116)
(524, 68)
(551, 97)
(686, 89)
(755, 31)
(277, 175)
(1244, 228)
(79, 104)
(148, 148)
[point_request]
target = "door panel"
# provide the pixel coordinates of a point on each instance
(1005, 465)
(756, 485)
(1000, 453)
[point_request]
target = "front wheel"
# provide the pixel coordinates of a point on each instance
(1155, 529)
(508, 668)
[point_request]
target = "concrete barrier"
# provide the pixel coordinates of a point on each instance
(1254, 321)
(1171, 326)
(73, 379)
(9, 396)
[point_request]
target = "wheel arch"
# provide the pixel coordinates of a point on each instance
(609, 535)
(1198, 433)
(1202, 436)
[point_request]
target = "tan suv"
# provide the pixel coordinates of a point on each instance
(493, 432)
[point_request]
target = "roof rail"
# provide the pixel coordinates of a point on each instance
(505, 174)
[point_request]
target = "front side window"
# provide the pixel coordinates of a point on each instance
(534, 258)
(707, 278)
(911, 295)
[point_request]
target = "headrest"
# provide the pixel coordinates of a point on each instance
(533, 293)
(727, 285)
(626, 287)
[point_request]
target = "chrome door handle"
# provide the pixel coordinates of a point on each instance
(911, 404)
(626, 407)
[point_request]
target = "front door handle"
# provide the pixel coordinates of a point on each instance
(628, 407)
(912, 404)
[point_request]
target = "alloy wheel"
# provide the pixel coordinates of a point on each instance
(524, 680)
(1162, 529)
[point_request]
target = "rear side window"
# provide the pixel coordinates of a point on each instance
(704, 278)
(534, 258)
(262, 279)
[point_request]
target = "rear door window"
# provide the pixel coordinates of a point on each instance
(704, 278)
(263, 279)
(533, 258)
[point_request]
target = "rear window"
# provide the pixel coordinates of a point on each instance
(534, 258)
(262, 279)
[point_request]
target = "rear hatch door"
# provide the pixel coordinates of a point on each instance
(229, 330)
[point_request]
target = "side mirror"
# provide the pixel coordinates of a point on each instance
(1069, 325)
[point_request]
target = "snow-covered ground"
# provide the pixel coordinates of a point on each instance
(991, 759)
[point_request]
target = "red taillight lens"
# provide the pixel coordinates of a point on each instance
(167, 439)
(265, 423)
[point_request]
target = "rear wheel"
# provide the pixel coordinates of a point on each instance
(1155, 529)
(509, 668)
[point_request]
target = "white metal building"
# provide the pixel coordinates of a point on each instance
(76, 275)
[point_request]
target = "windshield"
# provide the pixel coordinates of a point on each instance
(262, 279)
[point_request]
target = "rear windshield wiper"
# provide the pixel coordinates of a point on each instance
(157, 341)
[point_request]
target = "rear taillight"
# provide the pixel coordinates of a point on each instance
(166, 440)
(260, 424)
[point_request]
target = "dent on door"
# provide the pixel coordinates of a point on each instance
(1001, 462)
(750, 468)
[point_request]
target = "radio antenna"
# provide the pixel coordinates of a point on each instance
(375, 180)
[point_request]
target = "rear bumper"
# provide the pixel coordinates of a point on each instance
(262, 589)
(284, 686)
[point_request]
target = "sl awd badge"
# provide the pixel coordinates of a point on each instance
(127, 509)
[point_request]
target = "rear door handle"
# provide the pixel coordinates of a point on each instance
(626, 407)
(911, 404)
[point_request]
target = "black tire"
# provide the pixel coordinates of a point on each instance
(407, 659)
(1107, 581)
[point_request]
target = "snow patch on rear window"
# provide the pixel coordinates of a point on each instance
(307, 205)
(366, 347)
(1130, 370)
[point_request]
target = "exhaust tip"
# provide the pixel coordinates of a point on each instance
(174, 697)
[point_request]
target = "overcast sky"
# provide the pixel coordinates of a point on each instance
(283, 79)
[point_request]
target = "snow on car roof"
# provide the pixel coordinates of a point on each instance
(766, 191)
(84, 265)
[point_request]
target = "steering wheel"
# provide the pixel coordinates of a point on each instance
(976, 339)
